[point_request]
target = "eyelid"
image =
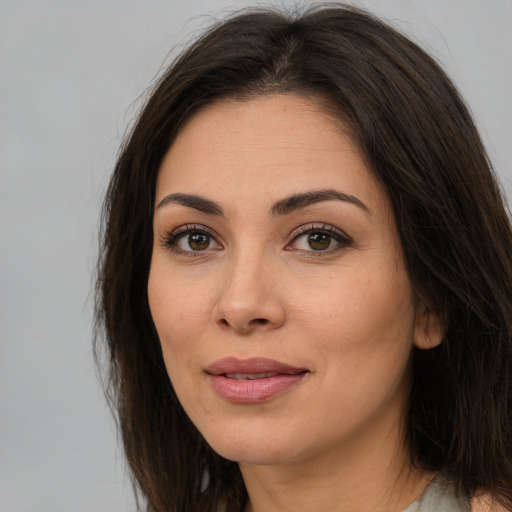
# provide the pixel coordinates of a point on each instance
(320, 227)
(169, 238)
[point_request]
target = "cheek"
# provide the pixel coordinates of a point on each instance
(358, 310)
(363, 330)
(177, 304)
(179, 313)
(365, 343)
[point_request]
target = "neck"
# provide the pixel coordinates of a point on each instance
(358, 478)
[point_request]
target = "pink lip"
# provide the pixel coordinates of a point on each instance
(246, 390)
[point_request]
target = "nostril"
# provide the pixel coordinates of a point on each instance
(259, 321)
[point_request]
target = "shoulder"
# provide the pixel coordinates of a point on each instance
(485, 503)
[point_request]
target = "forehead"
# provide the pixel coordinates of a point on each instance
(264, 144)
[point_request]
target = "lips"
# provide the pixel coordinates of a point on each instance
(252, 380)
(250, 376)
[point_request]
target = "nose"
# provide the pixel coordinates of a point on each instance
(248, 299)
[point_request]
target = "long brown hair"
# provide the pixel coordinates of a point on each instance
(419, 140)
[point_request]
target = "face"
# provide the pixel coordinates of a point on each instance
(277, 285)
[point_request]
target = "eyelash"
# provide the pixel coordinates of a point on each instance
(342, 240)
(171, 239)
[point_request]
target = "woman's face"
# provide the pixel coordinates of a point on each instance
(277, 285)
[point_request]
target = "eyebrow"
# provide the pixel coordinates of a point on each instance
(281, 207)
(297, 201)
(192, 201)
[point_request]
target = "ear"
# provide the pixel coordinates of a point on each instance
(429, 328)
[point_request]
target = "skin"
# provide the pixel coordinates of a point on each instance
(346, 313)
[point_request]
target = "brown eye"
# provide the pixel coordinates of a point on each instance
(324, 238)
(198, 241)
(319, 241)
(192, 240)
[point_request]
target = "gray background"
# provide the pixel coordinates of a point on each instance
(69, 74)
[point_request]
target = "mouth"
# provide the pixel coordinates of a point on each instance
(252, 380)
(254, 368)
(249, 376)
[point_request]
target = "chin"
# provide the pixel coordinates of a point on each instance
(258, 448)
(254, 455)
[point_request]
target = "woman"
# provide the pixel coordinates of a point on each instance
(305, 278)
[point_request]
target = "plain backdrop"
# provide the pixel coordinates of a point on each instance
(70, 74)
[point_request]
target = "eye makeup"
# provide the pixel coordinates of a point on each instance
(313, 239)
(318, 239)
(191, 240)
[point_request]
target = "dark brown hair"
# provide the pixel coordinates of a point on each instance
(419, 140)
